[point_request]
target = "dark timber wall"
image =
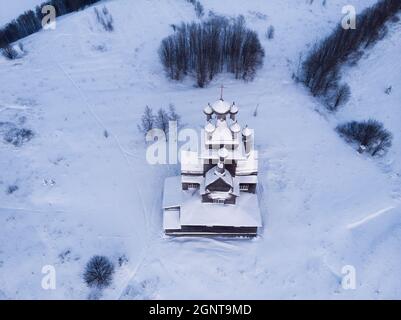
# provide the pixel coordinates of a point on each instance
(215, 230)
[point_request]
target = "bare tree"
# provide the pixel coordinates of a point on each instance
(173, 115)
(320, 70)
(388, 90)
(162, 119)
(338, 96)
(18, 136)
(105, 19)
(9, 52)
(99, 272)
(270, 32)
(147, 121)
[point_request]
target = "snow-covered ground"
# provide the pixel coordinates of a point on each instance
(79, 193)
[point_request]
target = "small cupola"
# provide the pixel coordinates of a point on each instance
(209, 129)
(223, 154)
(221, 108)
(235, 129)
(246, 132)
(233, 111)
(208, 111)
(247, 139)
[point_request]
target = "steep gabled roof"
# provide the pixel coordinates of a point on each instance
(212, 176)
(222, 134)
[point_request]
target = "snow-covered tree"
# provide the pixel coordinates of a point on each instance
(369, 136)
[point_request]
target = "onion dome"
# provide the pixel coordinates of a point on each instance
(210, 127)
(208, 110)
(221, 107)
(234, 109)
(246, 132)
(223, 153)
(235, 127)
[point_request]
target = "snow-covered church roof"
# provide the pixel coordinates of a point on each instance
(244, 213)
(222, 133)
(213, 175)
(221, 107)
(208, 110)
(210, 127)
(191, 211)
(235, 127)
(234, 109)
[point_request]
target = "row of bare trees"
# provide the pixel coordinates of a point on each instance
(160, 120)
(213, 46)
(31, 21)
(320, 70)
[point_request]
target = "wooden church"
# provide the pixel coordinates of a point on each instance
(216, 191)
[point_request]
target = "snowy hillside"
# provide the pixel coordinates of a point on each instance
(73, 191)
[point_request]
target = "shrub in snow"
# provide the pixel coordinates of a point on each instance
(100, 47)
(65, 255)
(270, 33)
(17, 136)
(337, 96)
(369, 136)
(321, 67)
(99, 272)
(9, 52)
(163, 118)
(105, 19)
(213, 46)
(122, 260)
(13, 52)
(11, 189)
(172, 114)
(160, 120)
(255, 112)
(388, 90)
(147, 121)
